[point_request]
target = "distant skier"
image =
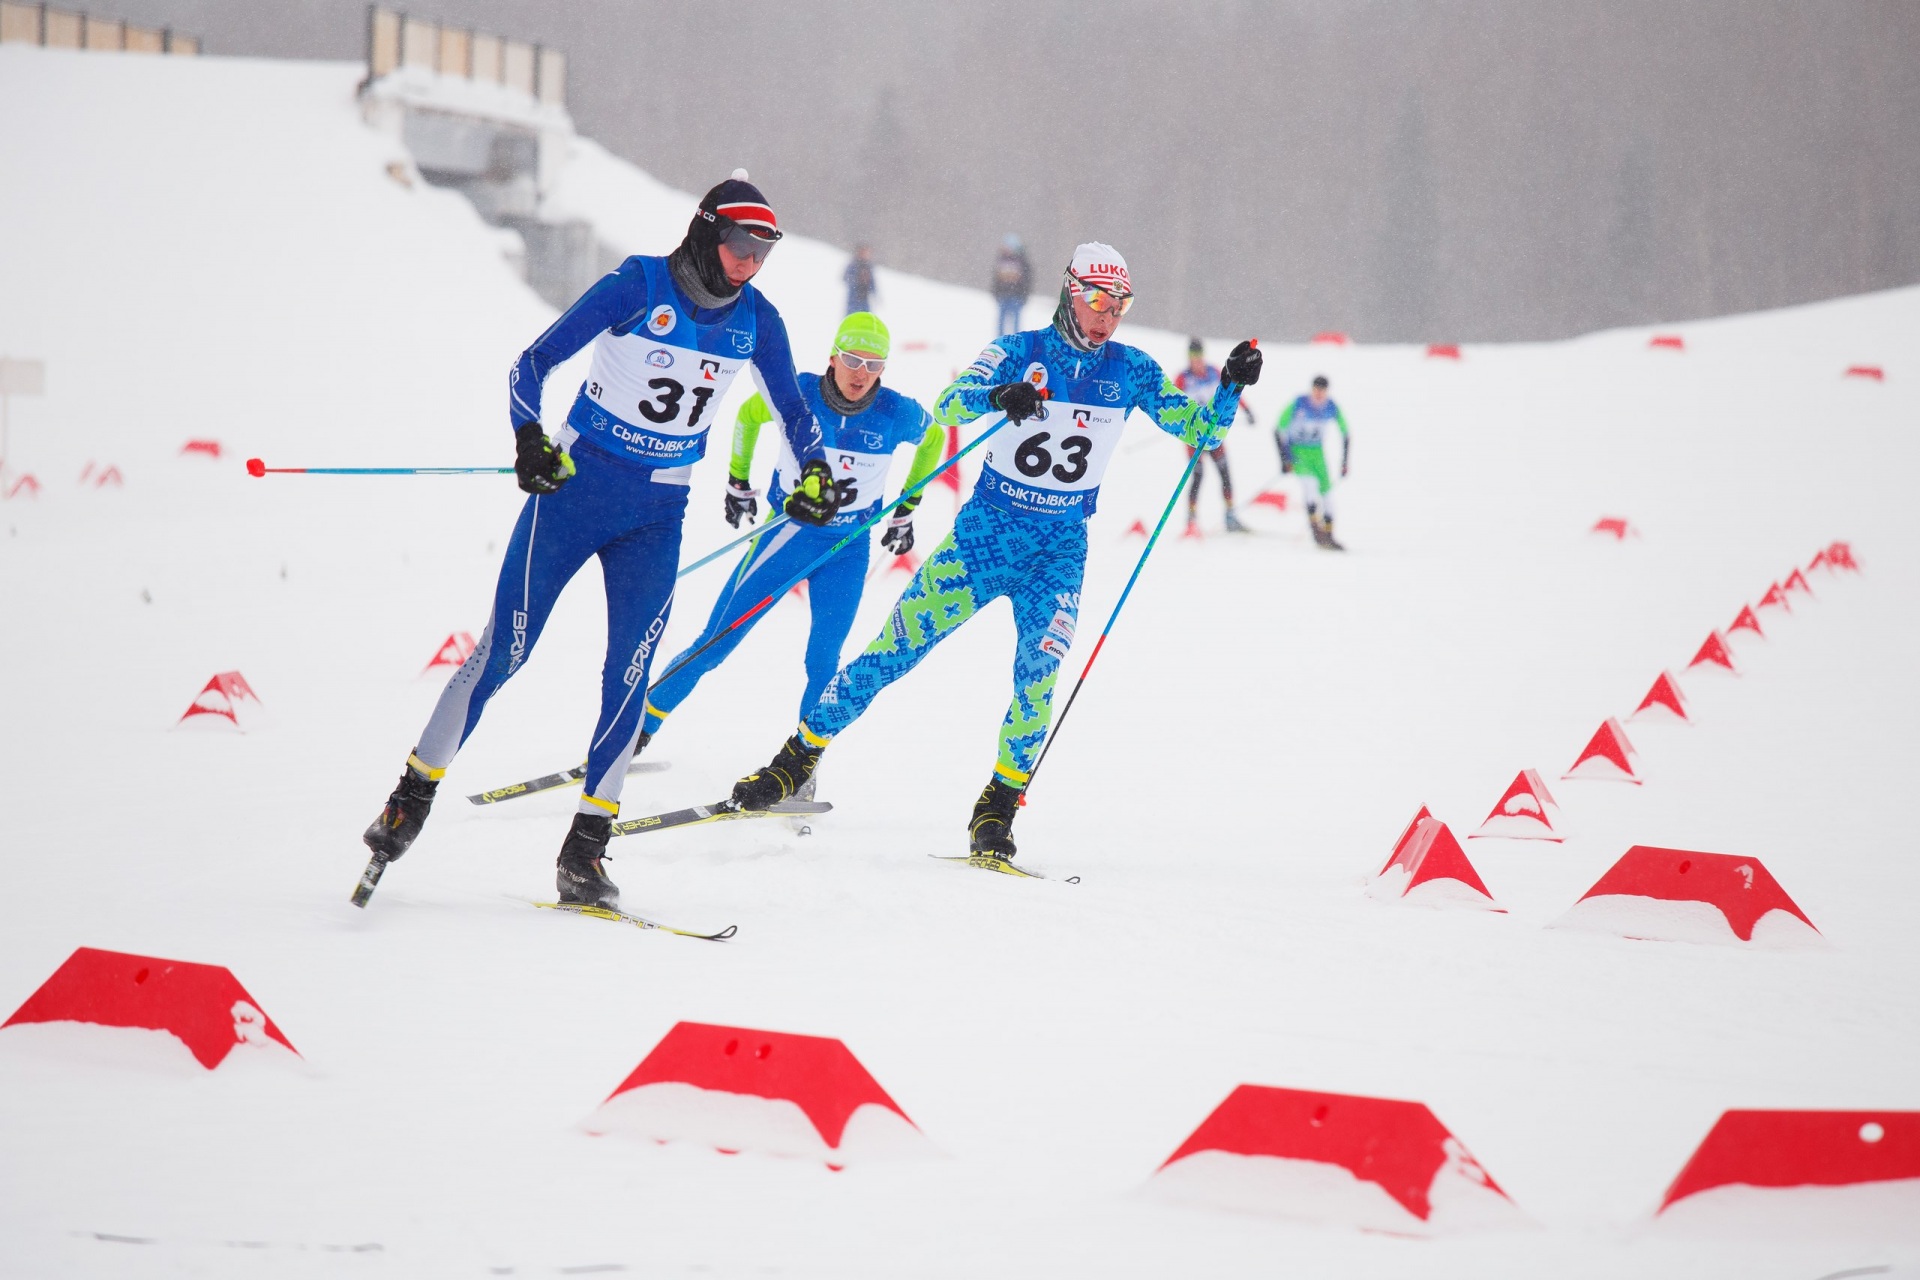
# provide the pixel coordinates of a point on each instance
(861, 287)
(1200, 380)
(1012, 282)
(669, 335)
(864, 423)
(1066, 391)
(1300, 433)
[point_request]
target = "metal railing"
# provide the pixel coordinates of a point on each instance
(396, 40)
(60, 29)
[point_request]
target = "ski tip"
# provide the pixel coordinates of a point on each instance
(724, 934)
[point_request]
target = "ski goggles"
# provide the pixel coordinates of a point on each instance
(1100, 299)
(871, 364)
(743, 243)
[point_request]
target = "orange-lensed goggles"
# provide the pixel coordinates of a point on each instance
(1100, 299)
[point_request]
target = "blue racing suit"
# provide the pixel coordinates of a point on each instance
(860, 451)
(660, 367)
(1023, 534)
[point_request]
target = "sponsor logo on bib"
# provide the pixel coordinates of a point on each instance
(742, 340)
(1109, 391)
(1037, 374)
(660, 358)
(708, 368)
(871, 439)
(663, 319)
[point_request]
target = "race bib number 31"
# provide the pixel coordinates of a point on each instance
(662, 398)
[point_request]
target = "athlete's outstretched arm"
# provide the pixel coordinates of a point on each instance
(753, 415)
(613, 298)
(932, 450)
(773, 369)
(967, 398)
(1196, 424)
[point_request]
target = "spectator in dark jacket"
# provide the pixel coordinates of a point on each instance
(859, 277)
(1012, 281)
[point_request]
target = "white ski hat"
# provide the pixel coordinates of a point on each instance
(1099, 265)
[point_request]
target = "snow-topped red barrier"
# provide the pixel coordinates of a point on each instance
(1664, 701)
(1376, 1163)
(1616, 527)
(453, 652)
(1666, 342)
(1429, 868)
(1443, 351)
(1527, 811)
(1607, 756)
(738, 1089)
(1682, 895)
(202, 1005)
(1855, 1172)
(227, 700)
(1745, 620)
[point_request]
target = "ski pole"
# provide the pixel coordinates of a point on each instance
(1093, 657)
(829, 553)
(717, 552)
(255, 467)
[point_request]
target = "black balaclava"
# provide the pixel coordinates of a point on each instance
(696, 263)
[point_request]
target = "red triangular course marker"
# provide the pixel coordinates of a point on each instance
(1873, 371)
(737, 1088)
(1525, 812)
(1271, 498)
(1606, 757)
(1332, 338)
(1256, 1149)
(226, 697)
(1667, 342)
(211, 448)
(453, 652)
(1427, 852)
(1840, 556)
(1801, 1148)
(1615, 525)
(1796, 581)
(1713, 653)
(1775, 599)
(1139, 527)
(1663, 702)
(1740, 889)
(27, 484)
(203, 1005)
(1747, 620)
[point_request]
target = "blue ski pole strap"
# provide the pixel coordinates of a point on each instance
(883, 512)
(1119, 604)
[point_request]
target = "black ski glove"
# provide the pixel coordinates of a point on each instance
(899, 535)
(1243, 365)
(539, 467)
(1286, 456)
(1019, 401)
(1346, 456)
(814, 499)
(742, 500)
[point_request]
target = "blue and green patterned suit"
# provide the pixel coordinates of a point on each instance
(1023, 533)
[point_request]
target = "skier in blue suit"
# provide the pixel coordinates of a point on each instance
(864, 424)
(670, 334)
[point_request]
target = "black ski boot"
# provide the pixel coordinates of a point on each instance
(640, 744)
(792, 765)
(398, 825)
(991, 831)
(581, 878)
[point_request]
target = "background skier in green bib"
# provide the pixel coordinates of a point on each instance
(862, 423)
(1300, 433)
(1066, 391)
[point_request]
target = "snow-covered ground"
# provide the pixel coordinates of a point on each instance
(214, 248)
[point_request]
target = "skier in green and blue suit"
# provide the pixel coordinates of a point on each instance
(1301, 435)
(863, 423)
(1066, 391)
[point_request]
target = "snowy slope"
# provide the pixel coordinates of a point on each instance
(213, 248)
